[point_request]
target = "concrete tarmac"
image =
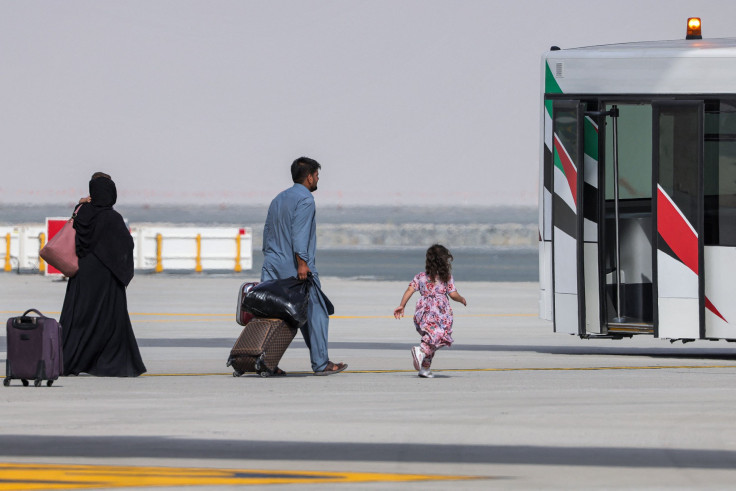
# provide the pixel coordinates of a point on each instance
(513, 405)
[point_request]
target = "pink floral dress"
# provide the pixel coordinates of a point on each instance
(433, 314)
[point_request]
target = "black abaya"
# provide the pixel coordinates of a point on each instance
(97, 335)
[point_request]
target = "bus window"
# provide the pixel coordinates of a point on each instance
(720, 173)
(634, 152)
(678, 159)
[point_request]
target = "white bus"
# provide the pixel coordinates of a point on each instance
(638, 190)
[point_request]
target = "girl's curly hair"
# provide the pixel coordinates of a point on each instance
(438, 263)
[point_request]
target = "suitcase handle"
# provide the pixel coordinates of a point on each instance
(26, 321)
(25, 314)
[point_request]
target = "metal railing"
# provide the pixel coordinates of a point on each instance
(157, 248)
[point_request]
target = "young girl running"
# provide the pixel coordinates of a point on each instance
(433, 314)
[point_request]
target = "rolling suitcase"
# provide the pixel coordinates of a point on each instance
(33, 349)
(242, 316)
(260, 346)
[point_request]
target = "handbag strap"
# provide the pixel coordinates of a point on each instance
(74, 215)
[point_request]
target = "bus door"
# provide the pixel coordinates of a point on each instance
(678, 176)
(567, 221)
(627, 219)
(593, 123)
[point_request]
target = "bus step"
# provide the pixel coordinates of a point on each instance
(633, 327)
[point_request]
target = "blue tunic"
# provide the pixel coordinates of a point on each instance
(291, 230)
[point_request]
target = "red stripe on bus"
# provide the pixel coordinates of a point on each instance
(679, 235)
(676, 231)
(712, 308)
(570, 172)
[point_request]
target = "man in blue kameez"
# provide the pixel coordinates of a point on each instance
(289, 246)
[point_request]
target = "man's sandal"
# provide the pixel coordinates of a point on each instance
(332, 368)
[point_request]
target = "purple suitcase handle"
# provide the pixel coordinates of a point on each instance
(26, 321)
(32, 310)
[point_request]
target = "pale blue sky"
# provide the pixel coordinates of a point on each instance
(403, 102)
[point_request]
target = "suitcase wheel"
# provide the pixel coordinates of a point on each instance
(261, 368)
(237, 373)
(37, 382)
(6, 382)
(25, 382)
(49, 383)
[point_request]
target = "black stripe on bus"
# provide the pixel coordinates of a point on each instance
(590, 200)
(664, 247)
(564, 218)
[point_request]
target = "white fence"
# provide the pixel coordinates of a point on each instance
(157, 248)
(193, 248)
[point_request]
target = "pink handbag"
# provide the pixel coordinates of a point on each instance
(61, 251)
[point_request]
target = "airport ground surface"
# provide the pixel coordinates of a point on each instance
(513, 405)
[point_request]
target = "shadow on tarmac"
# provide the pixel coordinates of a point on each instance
(677, 352)
(188, 448)
(663, 352)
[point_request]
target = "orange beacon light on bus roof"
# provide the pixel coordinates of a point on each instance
(693, 28)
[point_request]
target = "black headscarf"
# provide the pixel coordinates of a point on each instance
(102, 231)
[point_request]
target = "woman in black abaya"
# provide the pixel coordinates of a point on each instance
(97, 335)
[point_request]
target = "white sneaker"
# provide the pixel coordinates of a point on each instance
(418, 356)
(425, 373)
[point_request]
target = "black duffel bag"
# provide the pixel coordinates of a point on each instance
(286, 299)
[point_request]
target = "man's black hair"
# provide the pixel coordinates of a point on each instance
(303, 167)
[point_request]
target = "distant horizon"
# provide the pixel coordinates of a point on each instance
(265, 205)
(237, 213)
(262, 197)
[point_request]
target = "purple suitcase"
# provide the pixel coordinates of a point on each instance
(34, 349)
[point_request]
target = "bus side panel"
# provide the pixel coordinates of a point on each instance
(678, 298)
(566, 313)
(592, 303)
(567, 230)
(720, 282)
(566, 288)
(590, 228)
(545, 219)
(677, 128)
(545, 271)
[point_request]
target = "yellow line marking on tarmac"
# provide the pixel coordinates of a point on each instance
(409, 316)
(180, 314)
(20, 312)
(183, 314)
(218, 374)
(652, 367)
(200, 315)
(53, 476)
(167, 321)
(500, 369)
